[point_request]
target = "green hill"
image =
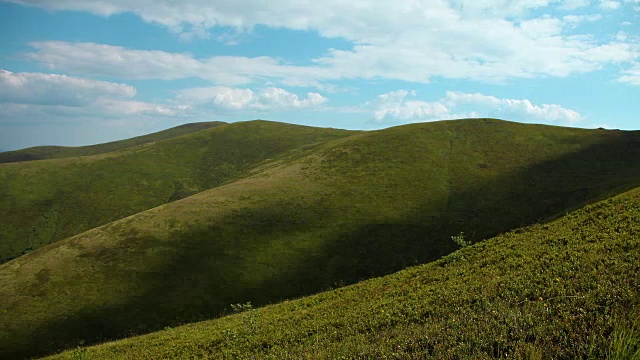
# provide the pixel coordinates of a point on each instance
(564, 290)
(349, 209)
(57, 152)
(45, 201)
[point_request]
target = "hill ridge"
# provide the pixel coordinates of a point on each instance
(346, 209)
(57, 152)
(48, 200)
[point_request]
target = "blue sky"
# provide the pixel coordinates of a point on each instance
(76, 72)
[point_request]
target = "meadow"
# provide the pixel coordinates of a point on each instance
(175, 231)
(560, 290)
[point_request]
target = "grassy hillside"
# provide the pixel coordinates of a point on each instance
(45, 201)
(350, 209)
(57, 152)
(562, 290)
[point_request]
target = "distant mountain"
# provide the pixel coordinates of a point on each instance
(290, 211)
(564, 290)
(56, 152)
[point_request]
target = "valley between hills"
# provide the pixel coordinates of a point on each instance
(328, 243)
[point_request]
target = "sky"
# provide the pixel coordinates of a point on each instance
(78, 72)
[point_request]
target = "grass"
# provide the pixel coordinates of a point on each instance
(561, 290)
(625, 342)
(349, 207)
(57, 152)
(45, 201)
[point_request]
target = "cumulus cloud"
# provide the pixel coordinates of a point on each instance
(54, 89)
(59, 97)
(229, 98)
(404, 40)
(513, 108)
(39, 95)
(394, 106)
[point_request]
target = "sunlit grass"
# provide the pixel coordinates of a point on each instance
(546, 291)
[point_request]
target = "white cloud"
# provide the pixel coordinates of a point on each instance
(610, 5)
(621, 36)
(115, 108)
(631, 76)
(54, 89)
(542, 27)
(52, 97)
(635, 3)
(101, 110)
(42, 96)
(513, 108)
(394, 106)
(574, 4)
(229, 98)
(497, 8)
(276, 97)
(404, 40)
(613, 53)
(117, 61)
(99, 59)
(576, 19)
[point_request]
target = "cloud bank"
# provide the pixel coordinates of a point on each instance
(229, 98)
(49, 96)
(54, 89)
(406, 40)
(394, 106)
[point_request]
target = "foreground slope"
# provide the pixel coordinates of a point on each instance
(350, 209)
(45, 201)
(57, 152)
(562, 290)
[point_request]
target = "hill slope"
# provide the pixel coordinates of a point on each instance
(561, 290)
(45, 201)
(353, 208)
(57, 152)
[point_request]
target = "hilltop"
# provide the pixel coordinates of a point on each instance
(57, 152)
(338, 211)
(45, 201)
(559, 290)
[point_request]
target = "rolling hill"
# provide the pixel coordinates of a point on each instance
(57, 152)
(560, 290)
(353, 207)
(45, 201)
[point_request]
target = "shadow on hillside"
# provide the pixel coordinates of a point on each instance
(199, 279)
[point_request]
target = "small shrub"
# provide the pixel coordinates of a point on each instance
(460, 240)
(238, 308)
